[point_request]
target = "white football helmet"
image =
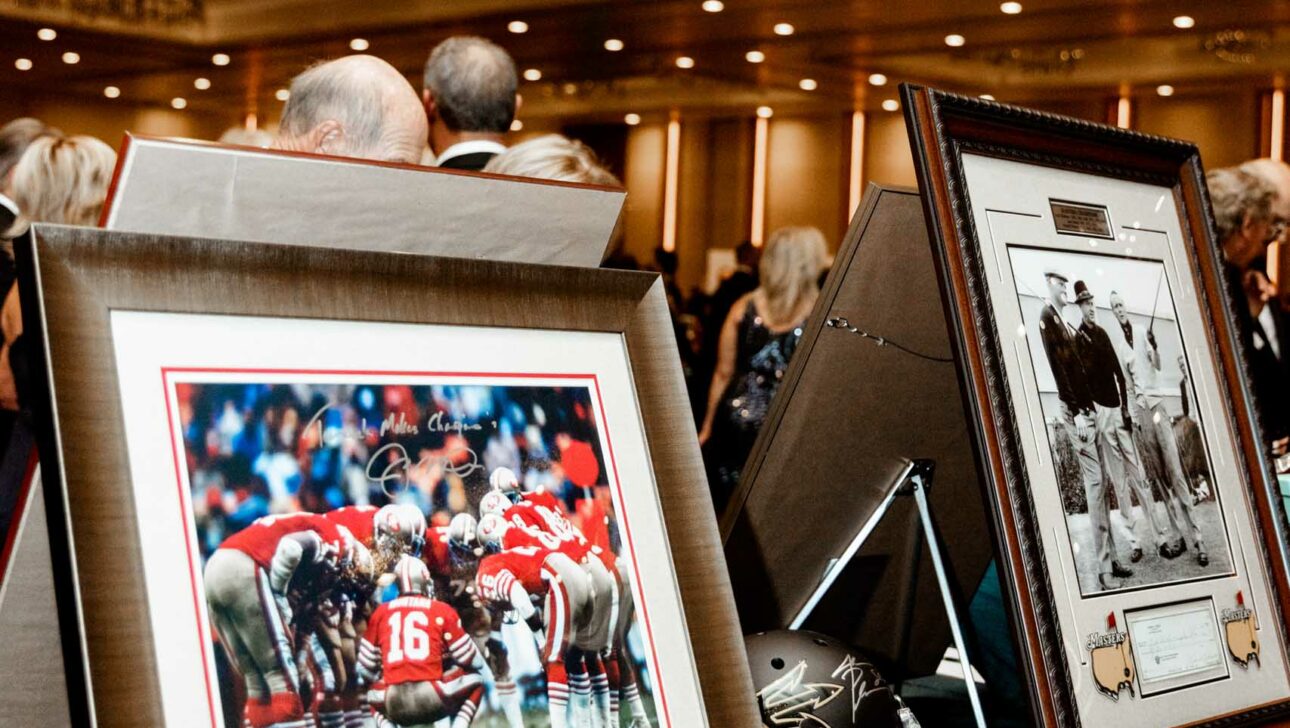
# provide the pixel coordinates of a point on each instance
(461, 531)
(504, 481)
(413, 577)
(493, 502)
(492, 528)
(400, 527)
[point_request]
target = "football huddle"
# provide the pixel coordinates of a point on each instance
(362, 616)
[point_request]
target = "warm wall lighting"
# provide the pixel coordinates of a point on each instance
(179, 102)
(111, 92)
(1278, 130)
(221, 59)
(1124, 112)
(201, 84)
(1183, 22)
(891, 105)
(532, 74)
(359, 44)
(47, 34)
(754, 56)
(784, 29)
(877, 79)
(71, 58)
(987, 97)
(954, 40)
(516, 125)
(671, 181)
(1010, 8)
(761, 139)
(22, 64)
(713, 6)
(685, 62)
(517, 26)
(855, 179)
(1165, 89)
(632, 119)
(613, 45)
(282, 94)
(808, 84)
(765, 112)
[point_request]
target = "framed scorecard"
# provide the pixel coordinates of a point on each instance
(1135, 522)
(281, 476)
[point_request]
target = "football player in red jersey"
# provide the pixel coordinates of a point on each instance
(389, 532)
(251, 581)
(507, 579)
(407, 643)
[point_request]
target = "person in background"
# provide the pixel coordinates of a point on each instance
(470, 96)
(243, 137)
(1247, 224)
(552, 156)
(758, 338)
(355, 106)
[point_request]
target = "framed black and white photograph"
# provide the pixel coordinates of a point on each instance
(1128, 488)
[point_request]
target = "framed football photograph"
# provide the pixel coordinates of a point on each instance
(294, 485)
(1139, 541)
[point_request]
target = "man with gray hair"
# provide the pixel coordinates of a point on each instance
(470, 98)
(355, 106)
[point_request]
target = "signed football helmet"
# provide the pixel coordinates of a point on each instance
(493, 502)
(808, 679)
(491, 529)
(399, 527)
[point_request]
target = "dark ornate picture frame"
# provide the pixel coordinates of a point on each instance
(942, 127)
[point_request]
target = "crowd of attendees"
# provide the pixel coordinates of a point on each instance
(735, 342)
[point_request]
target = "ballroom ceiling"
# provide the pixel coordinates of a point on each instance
(1051, 51)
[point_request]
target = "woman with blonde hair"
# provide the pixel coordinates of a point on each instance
(757, 341)
(62, 179)
(552, 156)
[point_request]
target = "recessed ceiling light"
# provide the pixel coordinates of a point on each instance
(784, 29)
(111, 92)
(1184, 22)
(1165, 89)
(765, 112)
(201, 84)
(877, 79)
(632, 119)
(713, 6)
(755, 56)
(47, 34)
(1010, 8)
(282, 94)
(220, 59)
(613, 45)
(890, 105)
(359, 44)
(685, 62)
(71, 58)
(532, 74)
(517, 26)
(808, 84)
(954, 40)
(516, 125)
(22, 64)
(179, 102)
(987, 97)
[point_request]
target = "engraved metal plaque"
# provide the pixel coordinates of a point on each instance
(1074, 218)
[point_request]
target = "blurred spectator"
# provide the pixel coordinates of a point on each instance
(355, 106)
(1247, 224)
(470, 99)
(14, 140)
(741, 282)
(243, 137)
(552, 156)
(757, 340)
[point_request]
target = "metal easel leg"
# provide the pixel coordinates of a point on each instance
(951, 610)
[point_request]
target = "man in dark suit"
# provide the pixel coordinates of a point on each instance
(470, 96)
(1079, 411)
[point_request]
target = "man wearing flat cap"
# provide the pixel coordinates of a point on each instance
(1061, 345)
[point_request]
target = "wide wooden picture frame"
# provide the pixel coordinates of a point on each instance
(132, 329)
(1089, 508)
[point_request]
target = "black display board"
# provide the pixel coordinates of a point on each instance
(847, 419)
